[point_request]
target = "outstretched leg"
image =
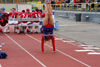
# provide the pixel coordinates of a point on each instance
(45, 22)
(48, 17)
(53, 43)
(42, 43)
(51, 20)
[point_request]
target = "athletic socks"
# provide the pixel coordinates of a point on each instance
(30, 30)
(37, 29)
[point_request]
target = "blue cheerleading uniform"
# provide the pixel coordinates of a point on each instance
(48, 31)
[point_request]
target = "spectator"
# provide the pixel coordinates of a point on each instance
(23, 11)
(87, 1)
(52, 2)
(36, 9)
(98, 1)
(58, 2)
(33, 10)
(62, 1)
(1, 16)
(14, 14)
(67, 1)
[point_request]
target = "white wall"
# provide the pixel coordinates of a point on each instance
(8, 6)
(19, 7)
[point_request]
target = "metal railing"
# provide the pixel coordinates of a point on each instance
(88, 7)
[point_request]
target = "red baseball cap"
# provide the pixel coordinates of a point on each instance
(28, 10)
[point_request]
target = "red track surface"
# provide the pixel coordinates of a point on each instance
(24, 50)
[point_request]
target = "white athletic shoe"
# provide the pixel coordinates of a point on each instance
(18, 31)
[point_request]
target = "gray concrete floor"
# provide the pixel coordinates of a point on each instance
(84, 32)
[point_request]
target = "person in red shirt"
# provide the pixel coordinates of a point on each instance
(14, 14)
(48, 26)
(42, 14)
(5, 21)
(87, 1)
(36, 14)
(58, 2)
(2, 18)
(30, 24)
(24, 14)
(22, 24)
(5, 14)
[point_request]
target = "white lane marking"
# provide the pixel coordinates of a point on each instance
(83, 50)
(0, 49)
(69, 41)
(65, 54)
(94, 53)
(89, 47)
(25, 50)
(0, 46)
(70, 25)
(95, 48)
(58, 39)
(85, 45)
(0, 65)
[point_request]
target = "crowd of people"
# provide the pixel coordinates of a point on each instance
(26, 26)
(21, 26)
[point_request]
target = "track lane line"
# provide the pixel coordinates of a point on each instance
(25, 50)
(0, 65)
(60, 52)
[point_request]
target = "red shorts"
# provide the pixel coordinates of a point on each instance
(49, 26)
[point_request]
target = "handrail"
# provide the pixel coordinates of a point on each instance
(76, 6)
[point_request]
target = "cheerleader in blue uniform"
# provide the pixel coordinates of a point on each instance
(48, 26)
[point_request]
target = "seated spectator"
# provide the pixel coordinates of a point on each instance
(62, 1)
(67, 1)
(58, 3)
(52, 2)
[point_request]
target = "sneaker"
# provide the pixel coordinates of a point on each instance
(36, 32)
(18, 31)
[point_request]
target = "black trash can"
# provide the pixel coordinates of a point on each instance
(78, 16)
